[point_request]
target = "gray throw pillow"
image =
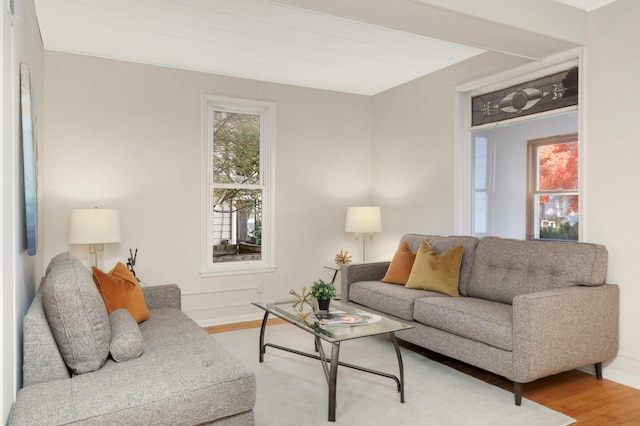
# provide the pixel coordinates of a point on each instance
(76, 314)
(126, 339)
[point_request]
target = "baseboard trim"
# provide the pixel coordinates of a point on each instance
(622, 378)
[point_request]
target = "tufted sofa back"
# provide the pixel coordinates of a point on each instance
(504, 268)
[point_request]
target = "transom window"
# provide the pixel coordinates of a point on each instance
(238, 185)
(552, 199)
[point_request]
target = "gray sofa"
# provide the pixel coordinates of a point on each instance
(182, 377)
(528, 309)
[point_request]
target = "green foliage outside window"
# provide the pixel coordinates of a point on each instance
(236, 163)
(236, 148)
(565, 231)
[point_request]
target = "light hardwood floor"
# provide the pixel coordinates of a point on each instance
(575, 393)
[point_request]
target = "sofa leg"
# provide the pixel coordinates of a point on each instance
(517, 391)
(598, 370)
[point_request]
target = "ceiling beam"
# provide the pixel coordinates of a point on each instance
(414, 16)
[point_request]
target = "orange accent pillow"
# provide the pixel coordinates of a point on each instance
(436, 272)
(400, 266)
(120, 289)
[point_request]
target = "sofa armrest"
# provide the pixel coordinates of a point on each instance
(562, 329)
(163, 296)
(355, 272)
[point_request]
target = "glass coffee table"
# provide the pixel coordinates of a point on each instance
(375, 325)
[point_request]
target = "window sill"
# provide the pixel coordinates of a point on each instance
(242, 269)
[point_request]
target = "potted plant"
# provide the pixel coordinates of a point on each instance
(323, 292)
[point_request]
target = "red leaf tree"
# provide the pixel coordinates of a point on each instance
(559, 169)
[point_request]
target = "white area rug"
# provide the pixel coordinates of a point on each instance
(292, 389)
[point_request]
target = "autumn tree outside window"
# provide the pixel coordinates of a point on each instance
(552, 197)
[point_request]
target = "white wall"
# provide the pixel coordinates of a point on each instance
(128, 136)
(613, 150)
(18, 272)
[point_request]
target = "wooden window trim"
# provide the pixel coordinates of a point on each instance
(532, 175)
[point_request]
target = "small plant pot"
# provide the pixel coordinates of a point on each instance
(323, 304)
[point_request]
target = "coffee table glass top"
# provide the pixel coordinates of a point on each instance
(376, 324)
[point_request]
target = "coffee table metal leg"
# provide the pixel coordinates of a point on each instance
(400, 365)
(262, 328)
(331, 371)
(333, 376)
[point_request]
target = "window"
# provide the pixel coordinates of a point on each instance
(237, 222)
(552, 199)
(482, 185)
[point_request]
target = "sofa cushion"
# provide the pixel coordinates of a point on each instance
(41, 358)
(442, 244)
(120, 289)
(506, 268)
(400, 266)
(436, 272)
(392, 299)
(126, 339)
(476, 319)
(76, 314)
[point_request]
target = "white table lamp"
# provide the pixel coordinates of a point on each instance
(94, 227)
(363, 219)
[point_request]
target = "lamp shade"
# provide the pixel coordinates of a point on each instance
(94, 226)
(363, 219)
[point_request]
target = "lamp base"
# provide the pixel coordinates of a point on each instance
(365, 245)
(94, 249)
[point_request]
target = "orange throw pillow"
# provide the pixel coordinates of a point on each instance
(120, 289)
(401, 264)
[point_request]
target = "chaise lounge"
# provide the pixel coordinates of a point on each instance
(168, 369)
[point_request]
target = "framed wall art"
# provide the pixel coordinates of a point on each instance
(30, 158)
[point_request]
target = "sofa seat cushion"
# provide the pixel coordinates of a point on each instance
(395, 300)
(184, 376)
(476, 319)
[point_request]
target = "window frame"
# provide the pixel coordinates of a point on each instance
(267, 113)
(533, 166)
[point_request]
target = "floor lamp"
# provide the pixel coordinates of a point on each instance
(363, 220)
(95, 227)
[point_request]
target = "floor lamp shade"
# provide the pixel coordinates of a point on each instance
(363, 219)
(94, 226)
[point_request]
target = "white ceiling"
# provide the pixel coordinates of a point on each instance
(257, 39)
